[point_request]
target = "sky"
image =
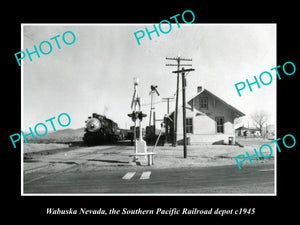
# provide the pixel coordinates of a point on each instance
(95, 73)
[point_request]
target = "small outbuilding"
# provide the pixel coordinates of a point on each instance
(247, 132)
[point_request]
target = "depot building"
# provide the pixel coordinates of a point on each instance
(209, 119)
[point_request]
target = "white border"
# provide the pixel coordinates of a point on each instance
(146, 194)
(22, 117)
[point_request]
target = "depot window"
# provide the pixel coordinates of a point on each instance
(203, 103)
(220, 124)
(189, 125)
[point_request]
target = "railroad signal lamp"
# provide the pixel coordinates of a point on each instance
(133, 116)
(141, 115)
(137, 115)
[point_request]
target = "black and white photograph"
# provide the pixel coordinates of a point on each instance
(90, 90)
(133, 113)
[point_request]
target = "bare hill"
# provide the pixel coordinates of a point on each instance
(59, 136)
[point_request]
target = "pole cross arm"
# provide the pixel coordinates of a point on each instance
(178, 58)
(167, 99)
(183, 70)
(169, 64)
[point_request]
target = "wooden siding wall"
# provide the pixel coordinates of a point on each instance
(204, 121)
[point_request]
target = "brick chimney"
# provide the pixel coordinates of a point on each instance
(199, 89)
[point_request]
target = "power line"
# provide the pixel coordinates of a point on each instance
(145, 104)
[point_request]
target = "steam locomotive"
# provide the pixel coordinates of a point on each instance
(101, 130)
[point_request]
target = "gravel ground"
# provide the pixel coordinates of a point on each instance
(117, 157)
(31, 147)
(204, 156)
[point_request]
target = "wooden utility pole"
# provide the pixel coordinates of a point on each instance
(168, 101)
(167, 123)
(183, 107)
(178, 59)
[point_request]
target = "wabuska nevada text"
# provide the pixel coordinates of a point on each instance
(157, 211)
